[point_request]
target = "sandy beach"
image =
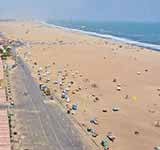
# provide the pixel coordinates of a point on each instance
(114, 83)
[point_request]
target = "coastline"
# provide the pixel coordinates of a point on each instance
(107, 36)
(105, 74)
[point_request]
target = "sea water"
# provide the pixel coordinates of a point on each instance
(137, 33)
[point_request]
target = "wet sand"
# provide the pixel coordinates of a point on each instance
(99, 75)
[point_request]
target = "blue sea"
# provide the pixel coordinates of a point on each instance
(136, 33)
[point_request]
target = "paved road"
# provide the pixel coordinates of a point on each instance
(44, 125)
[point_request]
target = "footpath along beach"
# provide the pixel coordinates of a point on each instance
(111, 89)
(5, 134)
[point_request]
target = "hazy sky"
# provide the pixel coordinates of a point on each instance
(130, 10)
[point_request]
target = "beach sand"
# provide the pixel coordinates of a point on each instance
(105, 74)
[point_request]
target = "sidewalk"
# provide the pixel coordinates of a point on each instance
(4, 124)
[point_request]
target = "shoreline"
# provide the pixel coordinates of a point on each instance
(150, 46)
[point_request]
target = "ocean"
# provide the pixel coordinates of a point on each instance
(136, 33)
